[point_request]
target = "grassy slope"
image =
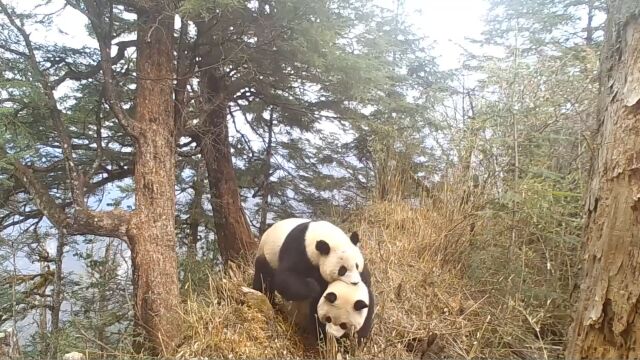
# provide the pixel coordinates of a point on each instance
(442, 291)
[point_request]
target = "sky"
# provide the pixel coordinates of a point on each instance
(447, 22)
(444, 22)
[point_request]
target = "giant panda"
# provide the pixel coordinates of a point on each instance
(343, 310)
(298, 258)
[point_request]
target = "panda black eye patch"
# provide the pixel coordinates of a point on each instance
(327, 319)
(342, 270)
(343, 326)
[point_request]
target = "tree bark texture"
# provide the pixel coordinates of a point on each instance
(56, 299)
(152, 227)
(607, 322)
(235, 239)
(266, 184)
(197, 214)
(149, 229)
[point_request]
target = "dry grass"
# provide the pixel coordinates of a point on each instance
(221, 322)
(442, 290)
(425, 301)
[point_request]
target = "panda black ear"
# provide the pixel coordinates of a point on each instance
(355, 238)
(359, 305)
(322, 247)
(331, 297)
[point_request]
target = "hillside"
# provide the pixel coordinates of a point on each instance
(440, 293)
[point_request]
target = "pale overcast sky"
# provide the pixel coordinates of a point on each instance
(447, 22)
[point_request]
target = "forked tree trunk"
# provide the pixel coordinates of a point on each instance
(235, 239)
(607, 316)
(151, 230)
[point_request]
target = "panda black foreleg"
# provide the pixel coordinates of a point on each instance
(293, 287)
(263, 278)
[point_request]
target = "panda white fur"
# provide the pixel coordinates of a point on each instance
(298, 258)
(345, 308)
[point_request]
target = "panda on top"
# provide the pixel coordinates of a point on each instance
(321, 271)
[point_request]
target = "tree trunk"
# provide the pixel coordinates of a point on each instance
(43, 323)
(151, 231)
(266, 185)
(56, 300)
(588, 39)
(106, 273)
(232, 228)
(235, 239)
(607, 321)
(196, 214)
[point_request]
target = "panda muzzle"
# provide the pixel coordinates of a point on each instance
(334, 330)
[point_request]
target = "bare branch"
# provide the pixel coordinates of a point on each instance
(76, 75)
(103, 34)
(14, 51)
(75, 178)
(54, 212)
(189, 152)
(244, 137)
(82, 221)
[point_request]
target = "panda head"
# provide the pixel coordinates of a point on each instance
(336, 254)
(343, 308)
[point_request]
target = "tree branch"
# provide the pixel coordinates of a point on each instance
(76, 75)
(99, 150)
(83, 221)
(185, 66)
(40, 194)
(103, 34)
(75, 178)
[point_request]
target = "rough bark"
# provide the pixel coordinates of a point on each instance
(235, 239)
(266, 185)
(151, 231)
(57, 296)
(184, 70)
(588, 39)
(105, 273)
(606, 323)
(196, 214)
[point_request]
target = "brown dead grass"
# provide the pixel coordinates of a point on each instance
(425, 304)
(221, 323)
(441, 290)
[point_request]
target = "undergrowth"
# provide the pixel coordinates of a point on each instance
(451, 280)
(482, 278)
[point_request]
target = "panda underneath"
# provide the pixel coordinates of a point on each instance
(344, 310)
(298, 258)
